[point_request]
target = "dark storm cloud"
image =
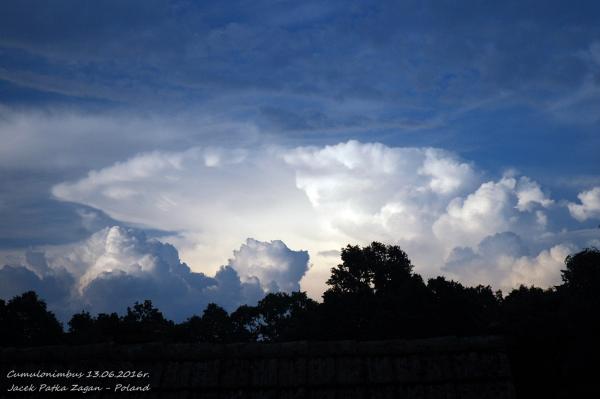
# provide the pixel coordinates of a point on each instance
(14, 280)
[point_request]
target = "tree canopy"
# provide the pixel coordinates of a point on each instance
(376, 268)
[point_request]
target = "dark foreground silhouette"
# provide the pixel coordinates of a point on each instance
(432, 368)
(551, 335)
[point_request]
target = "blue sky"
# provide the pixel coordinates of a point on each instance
(284, 111)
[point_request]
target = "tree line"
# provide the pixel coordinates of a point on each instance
(373, 294)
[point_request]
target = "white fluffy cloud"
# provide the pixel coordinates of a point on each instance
(589, 207)
(427, 200)
(505, 259)
(117, 266)
(209, 195)
(494, 207)
(529, 194)
(392, 192)
(276, 267)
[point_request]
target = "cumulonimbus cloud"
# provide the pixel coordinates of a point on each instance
(429, 201)
(117, 266)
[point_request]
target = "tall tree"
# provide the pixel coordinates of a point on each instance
(286, 317)
(216, 325)
(376, 268)
(28, 322)
(143, 322)
(82, 328)
(374, 294)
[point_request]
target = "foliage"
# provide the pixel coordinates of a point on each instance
(377, 268)
(24, 321)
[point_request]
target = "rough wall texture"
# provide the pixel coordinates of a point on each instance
(425, 369)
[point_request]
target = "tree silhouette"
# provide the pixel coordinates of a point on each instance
(82, 328)
(580, 313)
(144, 313)
(285, 317)
(375, 268)
(108, 327)
(246, 324)
(530, 322)
(144, 323)
(582, 274)
(373, 294)
(25, 321)
(459, 310)
(215, 324)
(5, 327)
(580, 292)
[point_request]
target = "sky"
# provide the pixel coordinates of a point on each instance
(194, 152)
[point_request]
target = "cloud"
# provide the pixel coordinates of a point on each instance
(494, 207)
(426, 200)
(505, 259)
(277, 267)
(317, 198)
(589, 207)
(529, 193)
(371, 189)
(117, 266)
(402, 63)
(113, 135)
(214, 198)
(54, 287)
(335, 253)
(167, 76)
(79, 142)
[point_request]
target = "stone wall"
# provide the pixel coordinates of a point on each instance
(426, 369)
